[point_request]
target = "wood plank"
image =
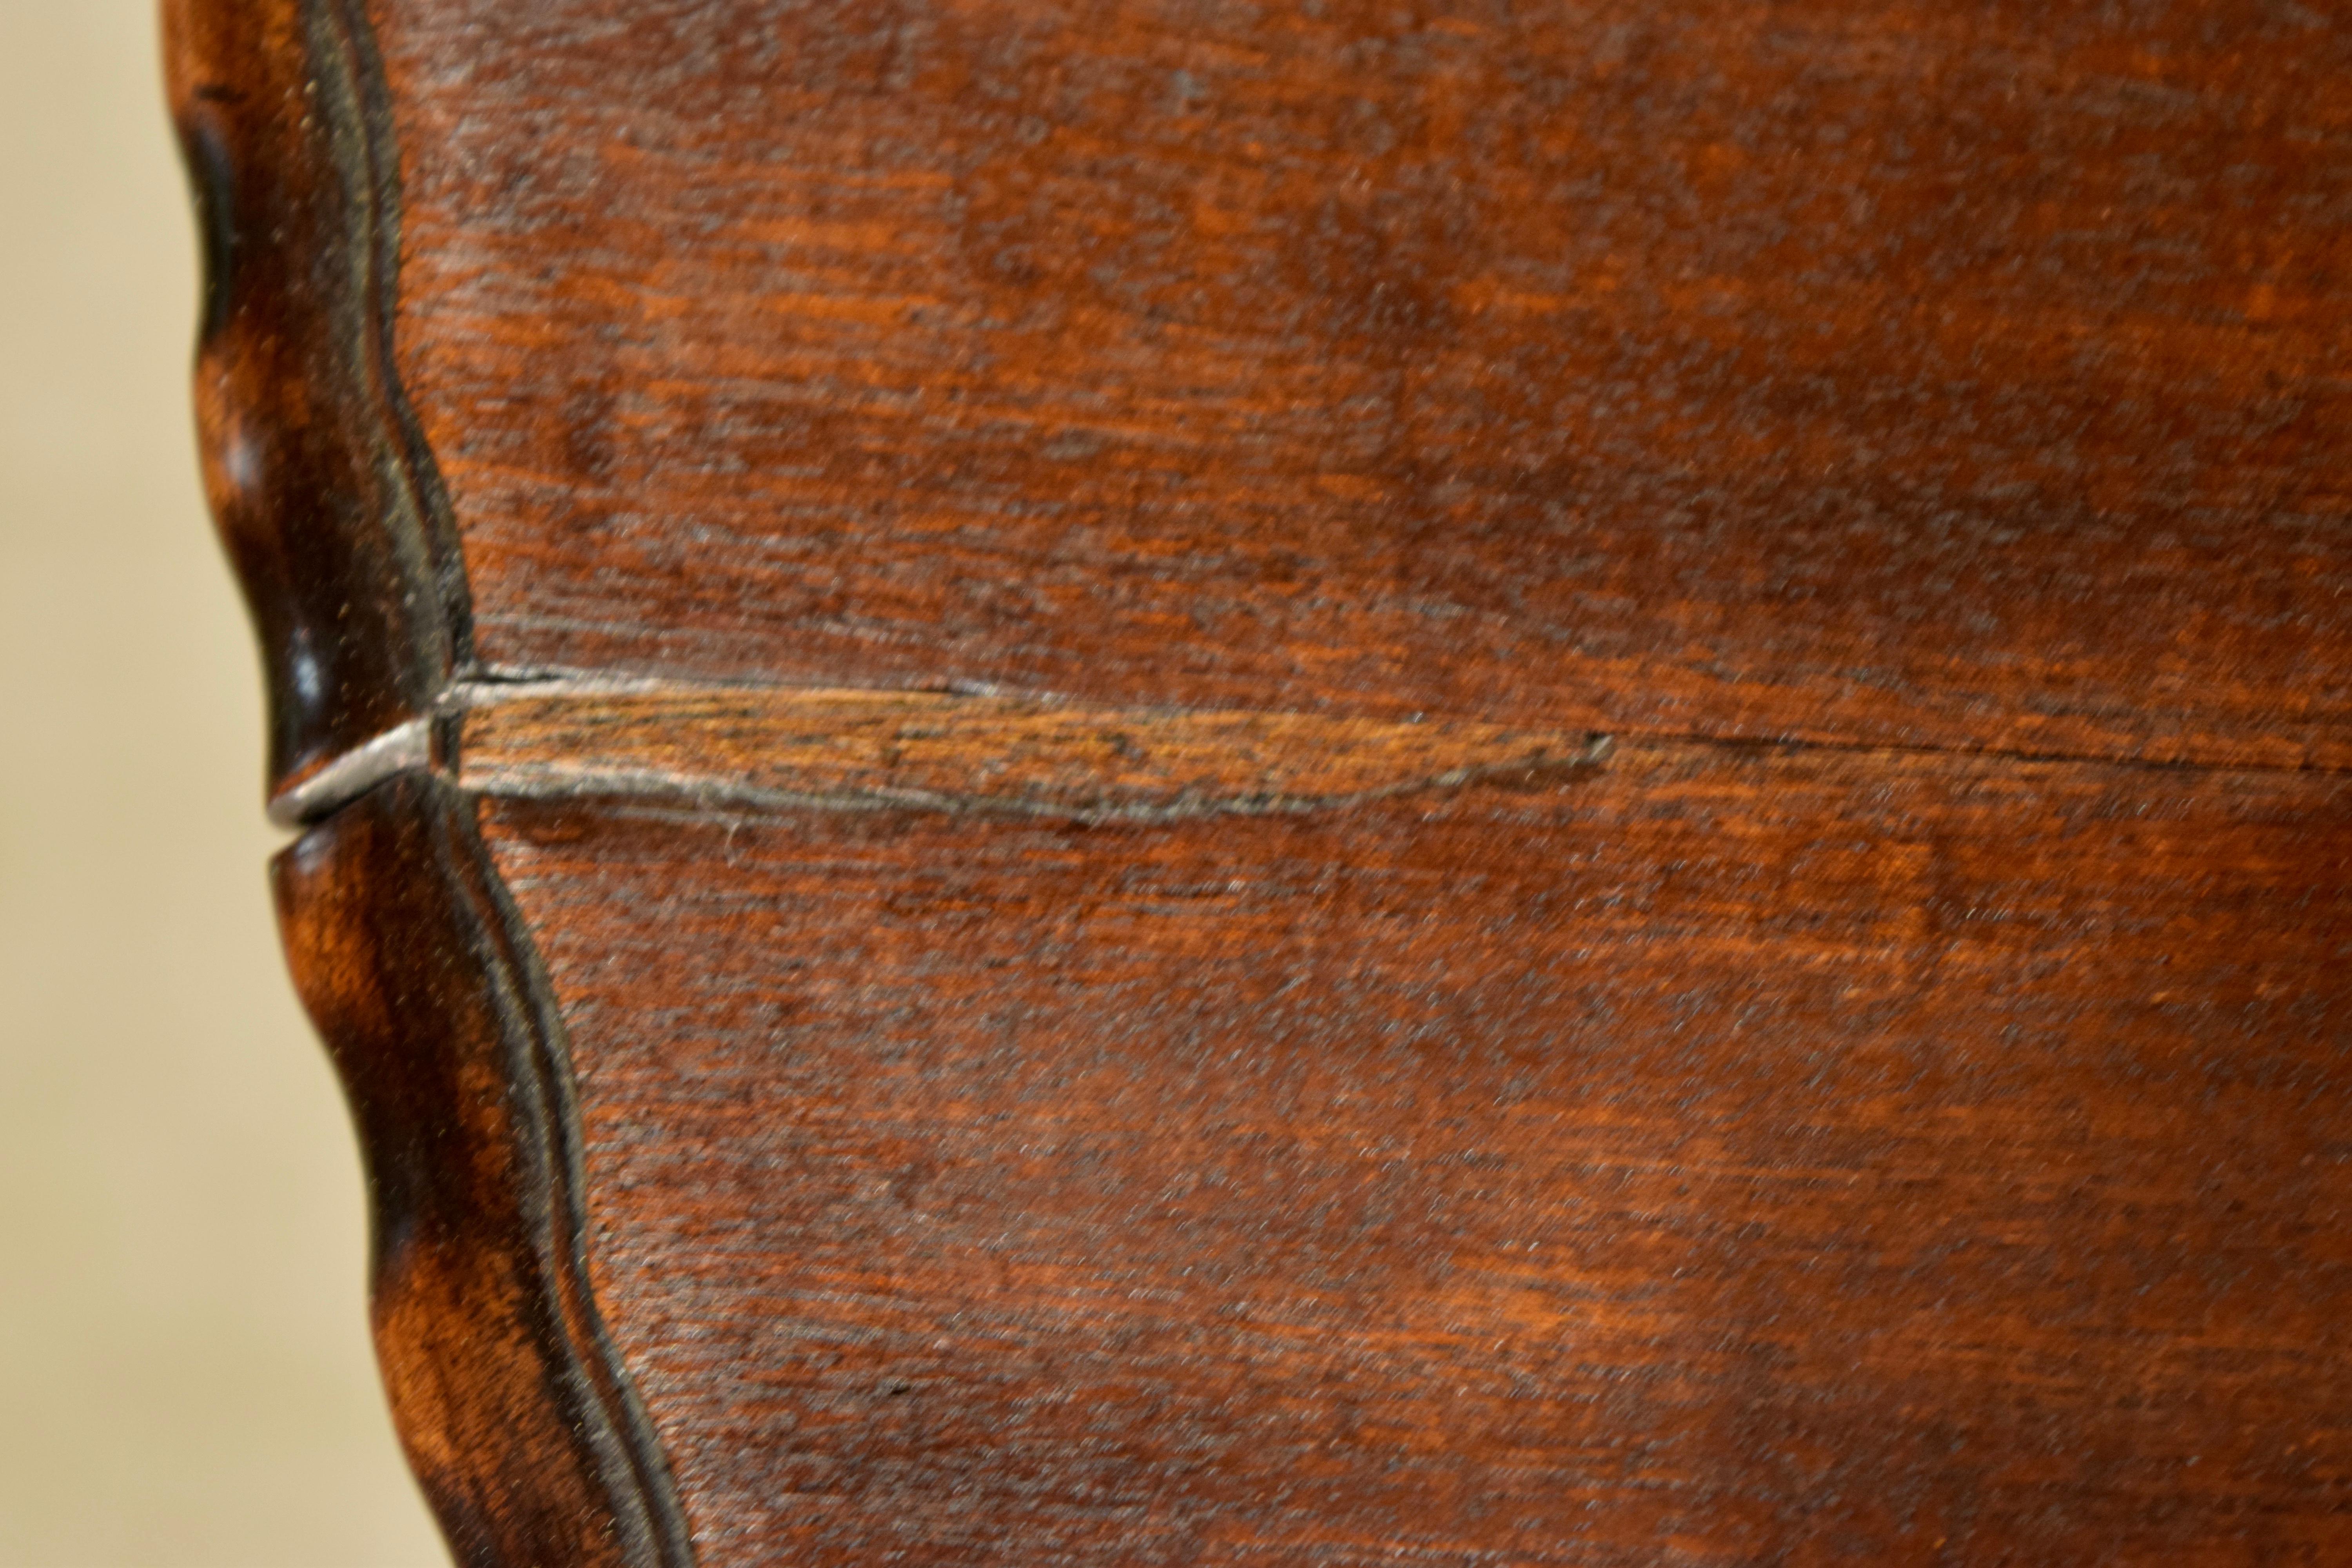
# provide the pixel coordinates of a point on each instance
(1726, 1155)
(1885, 372)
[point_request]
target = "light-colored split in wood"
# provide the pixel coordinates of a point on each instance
(860, 749)
(321, 792)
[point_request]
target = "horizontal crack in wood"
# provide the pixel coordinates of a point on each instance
(770, 748)
(399, 750)
(861, 749)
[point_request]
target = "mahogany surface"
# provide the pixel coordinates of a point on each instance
(1720, 1157)
(515, 1411)
(1318, 784)
(324, 493)
(1961, 374)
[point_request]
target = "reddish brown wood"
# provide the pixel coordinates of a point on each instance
(867, 750)
(515, 1411)
(1074, 557)
(329, 506)
(1957, 374)
(1729, 1157)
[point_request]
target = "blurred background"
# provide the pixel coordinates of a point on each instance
(185, 1371)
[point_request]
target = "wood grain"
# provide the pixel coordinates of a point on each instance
(1182, 783)
(867, 750)
(1966, 375)
(1730, 1156)
(516, 1415)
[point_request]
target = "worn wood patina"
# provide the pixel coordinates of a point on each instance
(1319, 784)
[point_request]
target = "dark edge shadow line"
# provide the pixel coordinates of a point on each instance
(641, 1490)
(333, 510)
(379, 159)
(533, 1022)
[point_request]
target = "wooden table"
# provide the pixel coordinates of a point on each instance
(1175, 782)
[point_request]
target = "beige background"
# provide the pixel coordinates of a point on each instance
(184, 1377)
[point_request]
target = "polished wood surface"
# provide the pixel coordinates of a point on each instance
(515, 1410)
(1315, 785)
(325, 495)
(1721, 1157)
(1957, 374)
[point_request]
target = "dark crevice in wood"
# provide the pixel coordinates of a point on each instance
(511, 1399)
(429, 499)
(2021, 755)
